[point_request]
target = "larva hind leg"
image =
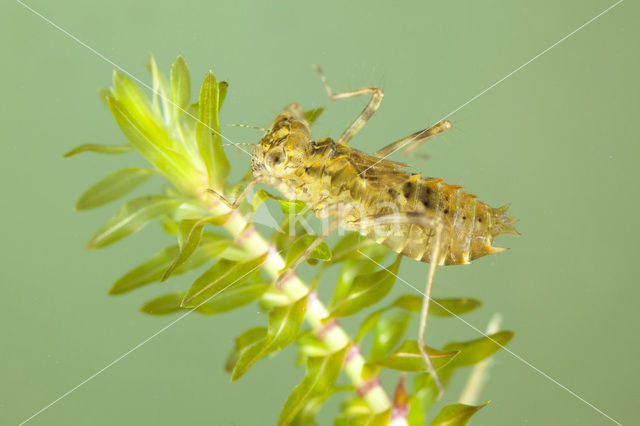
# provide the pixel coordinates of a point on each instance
(437, 227)
(413, 141)
(374, 103)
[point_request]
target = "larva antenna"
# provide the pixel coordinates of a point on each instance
(239, 144)
(250, 127)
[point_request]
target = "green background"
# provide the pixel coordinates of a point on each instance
(558, 140)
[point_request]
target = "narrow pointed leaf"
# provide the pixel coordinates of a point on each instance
(367, 290)
(322, 252)
(416, 411)
(161, 95)
(319, 378)
(132, 217)
(408, 358)
(312, 115)
(311, 346)
(284, 323)
(369, 324)
(438, 307)
(243, 342)
(100, 149)
(153, 269)
(128, 92)
(475, 351)
(456, 414)
(112, 187)
(306, 415)
(389, 331)
(146, 137)
(288, 207)
(163, 305)
(233, 298)
(180, 86)
(189, 235)
(208, 133)
(355, 266)
(348, 246)
(221, 277)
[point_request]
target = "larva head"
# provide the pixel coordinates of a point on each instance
(283, 149)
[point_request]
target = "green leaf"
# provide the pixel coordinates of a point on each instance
(160, 92)
(130, 94)
(306, 415)
(369, 324)
(222, 276)
(319, 378)
(311, 346)
(288, 207)
(222, 93)
(322, 252)
(284, 323)
(389, 331)
(112, 187)
(100, 149)
(456, 414)
(132, 217)
(408, 358)
(233, 298)
(180, 86)
(352, 267)
(244, 342)
(208, 133)
(189, 235)
(415, 416)
(348, 246)
(367, 290)
(163, 305)
(151, 141)
(438, 307)
(153, 269)
(312, 115)
(475, 351)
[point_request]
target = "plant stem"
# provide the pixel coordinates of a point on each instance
(332, 335)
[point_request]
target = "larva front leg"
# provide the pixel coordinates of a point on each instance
(236, 203)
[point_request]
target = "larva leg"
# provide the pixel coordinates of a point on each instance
(239, 199)
(436, 225)
(411, 142)
(372, 106)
